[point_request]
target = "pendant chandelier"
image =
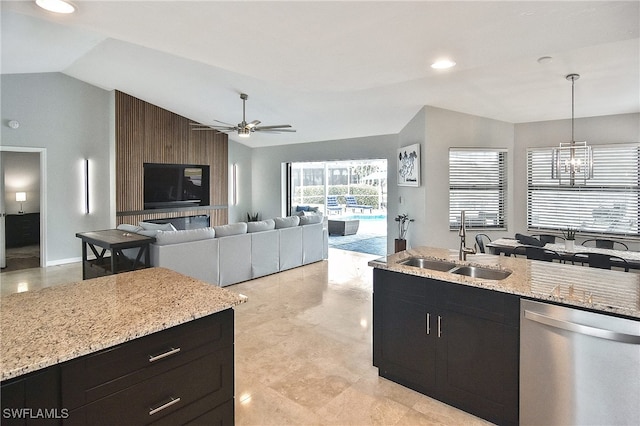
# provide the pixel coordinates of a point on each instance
(572, 162)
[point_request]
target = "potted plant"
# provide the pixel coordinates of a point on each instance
(253, 217)
(403, 226)
(569, 239)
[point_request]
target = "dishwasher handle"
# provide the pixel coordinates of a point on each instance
(583, 329)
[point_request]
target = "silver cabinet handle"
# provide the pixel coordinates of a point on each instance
(428, 323)
(439, 326)
(582, 329)
(170, 352)
(173, 401)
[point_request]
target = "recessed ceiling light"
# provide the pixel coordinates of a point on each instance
(443, 64)
(545, 60)
(56, 6)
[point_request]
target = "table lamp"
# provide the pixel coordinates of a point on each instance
(21, 197)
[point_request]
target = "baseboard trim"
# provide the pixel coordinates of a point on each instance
(63, 261)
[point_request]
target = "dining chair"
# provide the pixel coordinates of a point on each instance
(481, 240)
(529, 240)
(601, 261)
(547, 238)
(537, 253)
(606, 244)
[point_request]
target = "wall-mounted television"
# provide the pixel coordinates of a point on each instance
(169, 186)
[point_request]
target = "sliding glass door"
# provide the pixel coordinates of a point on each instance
(325, 186)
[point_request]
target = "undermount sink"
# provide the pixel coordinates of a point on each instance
(466, 270)
(424, 263)
(477, 272)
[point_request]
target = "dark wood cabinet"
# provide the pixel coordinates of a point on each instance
(32, 399)
(456, 343)
(182, 375)
(22, 229)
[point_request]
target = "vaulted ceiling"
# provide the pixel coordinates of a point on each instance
(336, 70)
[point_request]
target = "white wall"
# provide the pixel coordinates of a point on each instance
(72, 120)
(410, 200)
(241, 156)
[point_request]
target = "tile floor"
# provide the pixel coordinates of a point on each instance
(303, 348)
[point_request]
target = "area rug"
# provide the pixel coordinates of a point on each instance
(17, 263)
(364, 243)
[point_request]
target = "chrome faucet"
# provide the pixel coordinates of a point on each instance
(462, 233)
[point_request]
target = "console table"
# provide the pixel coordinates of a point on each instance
(114, 241)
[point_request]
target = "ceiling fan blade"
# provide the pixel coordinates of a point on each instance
(275, 130)
(218, 128)
(276, 126)
(253, 124)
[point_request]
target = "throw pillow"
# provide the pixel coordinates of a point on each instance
(263, 225)
(310, 218)
(302, 208)
(287, 222)
(149, 226)
(230, 229)
(129, 228)
(183, 236)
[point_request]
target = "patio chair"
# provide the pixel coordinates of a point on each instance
(332, 204)
(353, 204)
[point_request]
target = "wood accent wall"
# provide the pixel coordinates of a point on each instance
(146, 133)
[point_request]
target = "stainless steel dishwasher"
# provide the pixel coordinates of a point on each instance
(577, 367)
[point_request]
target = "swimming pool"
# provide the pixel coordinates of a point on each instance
(363, 217)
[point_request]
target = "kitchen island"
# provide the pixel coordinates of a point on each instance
(455, 333)
(88, 350)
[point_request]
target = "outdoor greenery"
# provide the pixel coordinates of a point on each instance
(365, 194)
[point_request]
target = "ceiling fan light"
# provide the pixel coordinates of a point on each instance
(443, 64)
(244, 133)
(56, 6)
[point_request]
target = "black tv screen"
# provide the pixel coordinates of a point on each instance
(175, 185)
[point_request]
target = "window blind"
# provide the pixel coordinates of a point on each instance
(606, 205)
(478, 185)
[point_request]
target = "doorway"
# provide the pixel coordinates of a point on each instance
(22, 178)
(352, 195)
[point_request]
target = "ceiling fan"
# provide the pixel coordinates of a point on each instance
(243, 128)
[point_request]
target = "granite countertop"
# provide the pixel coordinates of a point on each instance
(49, 326)
(580, 286)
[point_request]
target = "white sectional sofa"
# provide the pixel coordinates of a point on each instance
(229, 254)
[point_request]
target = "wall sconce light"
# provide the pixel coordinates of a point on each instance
(234, 183)
(86, 186)
(21, 197)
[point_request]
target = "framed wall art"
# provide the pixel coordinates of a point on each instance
(409, 165)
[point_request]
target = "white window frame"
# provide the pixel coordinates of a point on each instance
(606, 205)
(484, 201)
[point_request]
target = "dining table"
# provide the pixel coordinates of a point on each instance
(506, 246)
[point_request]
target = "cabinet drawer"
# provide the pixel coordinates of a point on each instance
(209, 377)
(491, 305)
(95, 376)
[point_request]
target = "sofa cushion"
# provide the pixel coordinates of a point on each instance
(184, 236)
(148, 226)
(287, 222)
(230, 229)
(262, 225)
(310, 218)
(129, 228)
